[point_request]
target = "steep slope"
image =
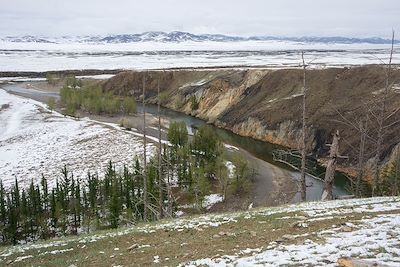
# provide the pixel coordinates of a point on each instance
(266, 104)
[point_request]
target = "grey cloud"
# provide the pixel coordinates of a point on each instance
(252, 17)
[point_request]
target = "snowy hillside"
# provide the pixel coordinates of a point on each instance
(34, 141)
(307, 234)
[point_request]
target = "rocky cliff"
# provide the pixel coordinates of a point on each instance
(266, 104)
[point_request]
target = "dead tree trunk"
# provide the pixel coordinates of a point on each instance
(381, 122)
(160, 180)
(396, 177)
(170, 201)
(145, 193)
(363, 136)
(303, 139)
(331, 168)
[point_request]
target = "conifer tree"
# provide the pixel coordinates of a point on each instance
(45, 190)
(53, 212)
(114, 206)
(26, 214)
(12, 220)
(93, 185)
(207, 148)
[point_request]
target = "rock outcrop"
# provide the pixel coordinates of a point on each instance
(266, 104)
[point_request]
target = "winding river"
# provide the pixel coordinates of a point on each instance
(260, 150)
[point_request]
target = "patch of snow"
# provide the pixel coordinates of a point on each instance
(231, 147)
(292, 96)
(96, 77)
(198, 83)
(231, 169)
(366, 242)
(19, 259)
(179, 213)
(21, 79)
(57, 251)
(211, 200)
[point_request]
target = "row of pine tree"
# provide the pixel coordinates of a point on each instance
(71, 205)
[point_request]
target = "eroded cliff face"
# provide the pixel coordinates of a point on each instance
(266, 104)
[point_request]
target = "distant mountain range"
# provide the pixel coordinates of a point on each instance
(177, 37)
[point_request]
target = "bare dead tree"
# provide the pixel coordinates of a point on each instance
(170, 197)
(397, 176)
(145, 193)
(160, 179)
(169, 190)
(377, 118)
(303, 138)
(331, 168)
(381, 122)
(363, 126)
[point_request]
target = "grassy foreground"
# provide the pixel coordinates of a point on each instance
(180, 241)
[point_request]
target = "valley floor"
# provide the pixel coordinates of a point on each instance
(312, 233)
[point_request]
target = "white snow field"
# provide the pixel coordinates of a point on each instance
(34, 141)
(155, 55)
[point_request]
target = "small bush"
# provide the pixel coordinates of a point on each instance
(52, 79)
(125, 123)
(179, 102)
(129, 105)
(163, 98)
(194, 105)
(51, 103)
(243, 175)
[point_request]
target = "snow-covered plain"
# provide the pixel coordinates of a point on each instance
(34, 141)
(155, 55)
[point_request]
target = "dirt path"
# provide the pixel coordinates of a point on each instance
(272, 185)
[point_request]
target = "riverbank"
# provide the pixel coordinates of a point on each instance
(265, 104)
(272, 185)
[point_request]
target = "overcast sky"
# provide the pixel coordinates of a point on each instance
(358, 18)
